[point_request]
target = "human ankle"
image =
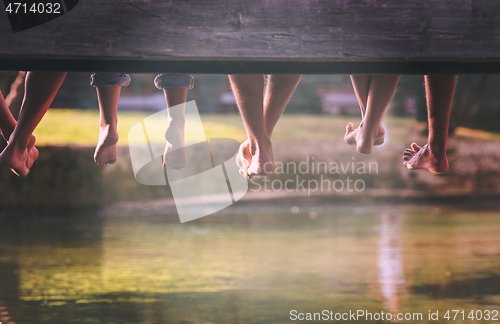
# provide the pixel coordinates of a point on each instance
(262, 142)
(177, 121)
(111, 124)
(20, 144)
(436, 151)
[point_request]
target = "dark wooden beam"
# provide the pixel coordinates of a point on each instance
(204, 66)
(262, 36)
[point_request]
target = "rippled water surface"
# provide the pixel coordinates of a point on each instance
(253, 266)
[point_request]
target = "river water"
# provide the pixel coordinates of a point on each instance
(257, 264)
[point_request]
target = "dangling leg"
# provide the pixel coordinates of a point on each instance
(175, 157)
(108, 86)
(249, 93)
(106, 151)
(439, 90)
(175, 87)
(40, 90)
(278, 92)
(7, 121)
(14, 98)
(380, 88)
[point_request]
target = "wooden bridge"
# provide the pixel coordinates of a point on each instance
(259, 36)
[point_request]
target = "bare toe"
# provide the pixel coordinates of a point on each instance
(379, 141)
(349, 136)
(409, 154)
(350, 127)
(243, 158)
(415, 147)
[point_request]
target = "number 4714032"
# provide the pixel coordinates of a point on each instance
(22, 8)
(487, 315)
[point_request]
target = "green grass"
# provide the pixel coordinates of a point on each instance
(80, 127)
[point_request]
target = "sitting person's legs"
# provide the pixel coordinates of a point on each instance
(7, 121)
(260, 112)
(108, 86)
(7, 125)
(175, 87)
(40, 90)
(439, 90)
(374, 92)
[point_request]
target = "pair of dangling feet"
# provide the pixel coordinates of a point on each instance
(415, 157)
(19, 157)
(174, 157)
(254, 157)
(258, 158)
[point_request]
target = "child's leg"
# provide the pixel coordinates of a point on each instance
(40, 90)
(175, 87)
(249, 93)
(381, 88)
(108, 86)
(439, 90)
(278, 92)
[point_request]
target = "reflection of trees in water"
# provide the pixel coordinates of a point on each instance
(390, 262)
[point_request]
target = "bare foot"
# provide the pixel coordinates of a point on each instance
(105, 151)
(19, 158)
(175, 157)
(32, 152)
(262, 161)
(362, 139)
(422, 158)
(244, 158)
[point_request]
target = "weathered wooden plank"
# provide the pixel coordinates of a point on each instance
(263, 36)
(251, 66)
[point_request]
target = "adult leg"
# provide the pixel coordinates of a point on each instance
(380, 89)
(7, 126)
(106, 151)
(14, 99)
(439, 90)
(249, 93)
(40, 90)
(361, 86)
(175, 87)
(278, 92)
(7, 121)
(108, 86)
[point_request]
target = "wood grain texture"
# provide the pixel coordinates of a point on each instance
(262, 36)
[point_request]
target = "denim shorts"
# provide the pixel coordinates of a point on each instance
(162, 81)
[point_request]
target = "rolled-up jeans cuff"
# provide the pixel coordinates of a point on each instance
(163, 81)
(109, 79)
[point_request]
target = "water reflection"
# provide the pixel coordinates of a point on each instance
(246, 267)
(390, 262)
